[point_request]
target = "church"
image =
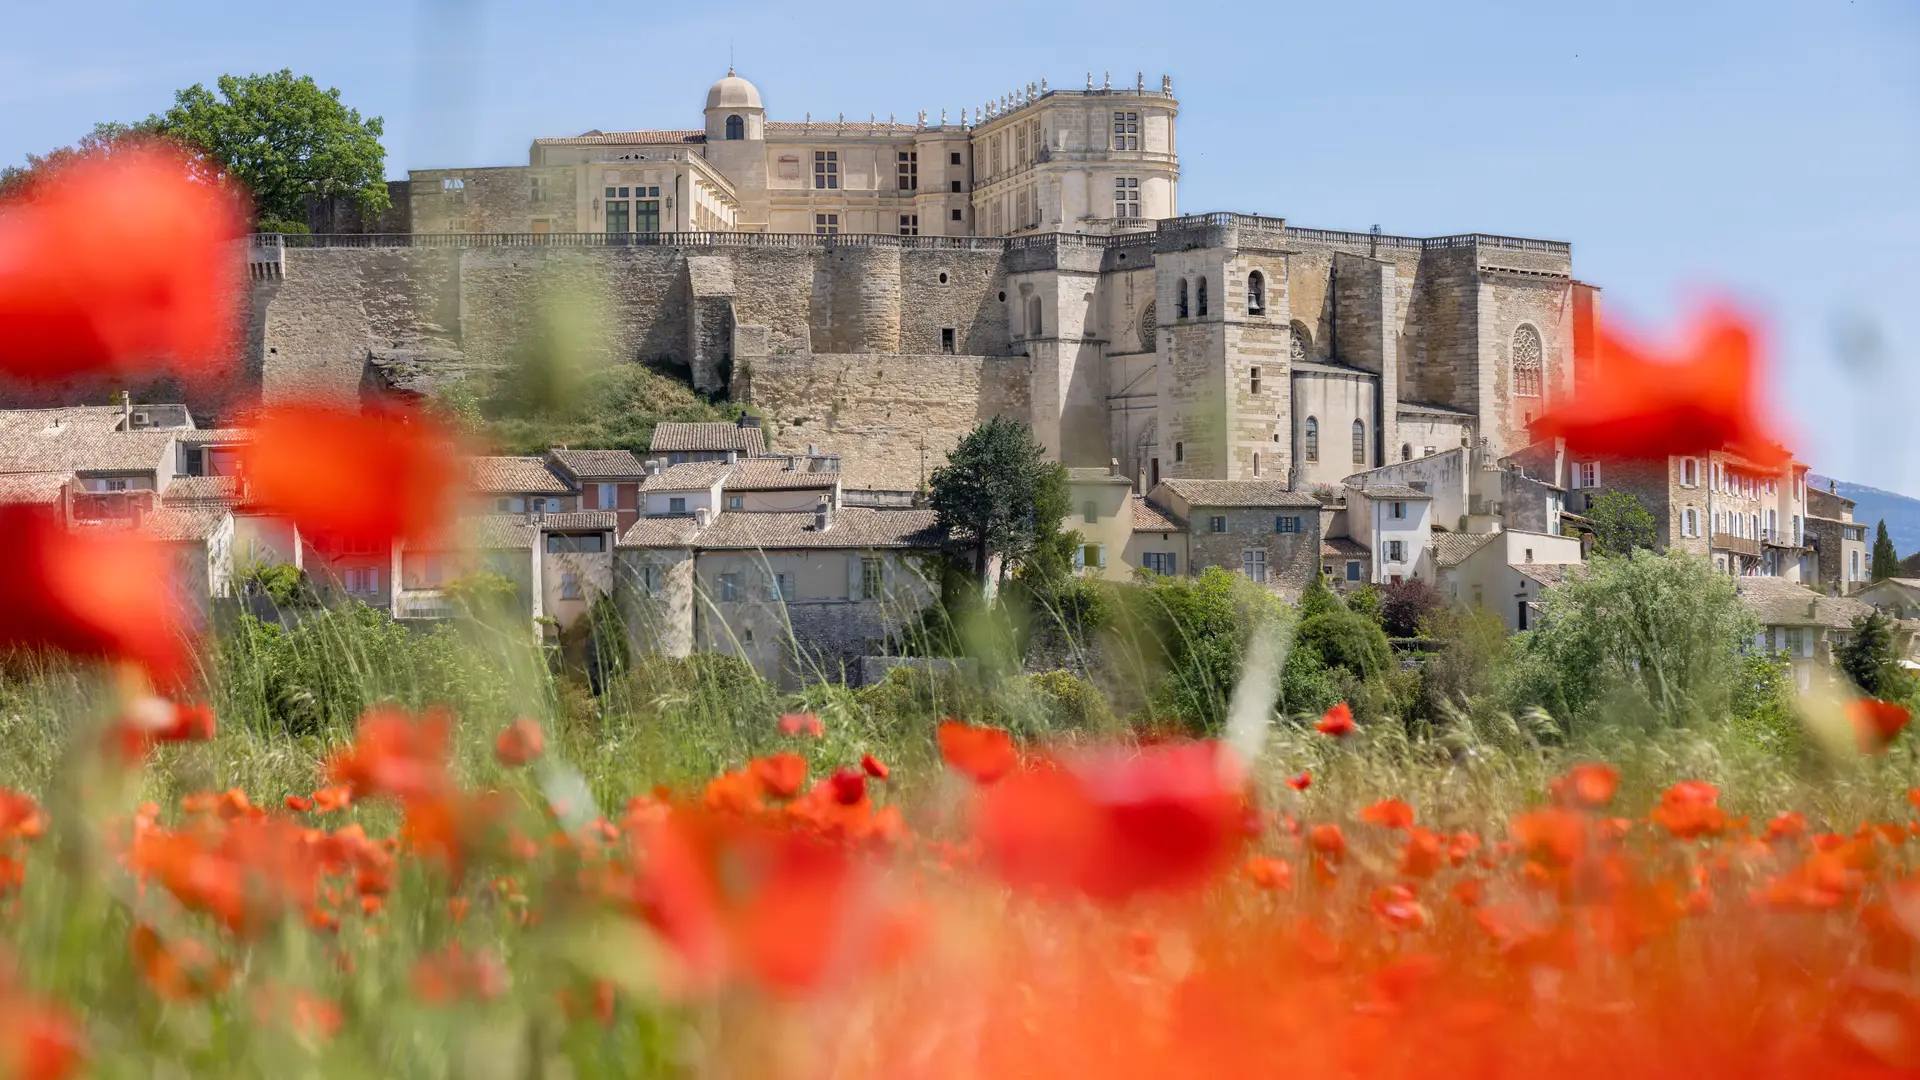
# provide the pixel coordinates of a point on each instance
(875, 288)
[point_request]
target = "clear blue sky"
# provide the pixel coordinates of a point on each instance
(1765, 149)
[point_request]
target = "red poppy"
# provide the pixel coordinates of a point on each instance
(119, 264)
(874, 767)
(38, 1041)
(394, 754)
(1273, 875)
(1876, 723)
(376, 478)
(1112, 823)
(519, 743)
(781, 775)
(88, 592)
(1338, 722)
(1643, 406)
(154, 720)
(802, 724)
(1689, 809)
(329, 799)
(20, 817)
(1300, 782)
(454, 974)
(1586, 785)
(982, 753)
(1388, 814)
(849, 786)
(179, 969)
(1327, 841)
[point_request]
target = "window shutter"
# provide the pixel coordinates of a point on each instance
(373, 579)
(1173, 563)
(1101, 553)
(854, 578)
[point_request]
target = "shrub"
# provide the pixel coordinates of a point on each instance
(1406, 605)
(1346, 640)
(1068, 703)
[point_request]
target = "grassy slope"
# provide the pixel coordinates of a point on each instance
(612, 409)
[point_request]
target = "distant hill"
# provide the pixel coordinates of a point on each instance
(1902, 514)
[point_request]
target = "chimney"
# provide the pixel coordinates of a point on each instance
(733, 457)
(701, 516)
(1113, 467)
(1833, 488)
(1813, 608)
(126, 411)
(823, 515)
(653, 466)
(812, 450)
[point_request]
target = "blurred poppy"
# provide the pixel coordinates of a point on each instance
(152, 720)
(802, 724)
(1388, 814)
(520, 742)
(1112, 823)
(1876, 723)
(1588, 785)
(20, 817)
(120, 264)
(88, 592)
(849, 786)
(982, 753)
(38, 1040)
(1273, 875)
(874, 767)
(1640, 405)
(781, 775)
(1338, 722)
(394, 754)
(179, 969)
(456, 974)
(1689, 809)
(375, 478)
(1300, 782)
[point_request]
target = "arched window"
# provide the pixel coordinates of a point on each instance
(1256, 294)
(1179, 451)
(736, 128)
(1406, 451)
(1359, 442)
(1301, 346)
(1526, 362)
(1200, 299)
(1312, 452)
(1180, 301)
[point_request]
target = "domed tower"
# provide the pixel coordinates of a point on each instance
(736, 144)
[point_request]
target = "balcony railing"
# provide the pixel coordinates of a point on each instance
(422, 604)
(1739, 545)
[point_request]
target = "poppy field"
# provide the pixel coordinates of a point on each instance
(429, 889)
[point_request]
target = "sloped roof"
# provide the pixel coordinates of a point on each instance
(852, 527)
(676, 531)
(492, 532)
(514, 476)
(1238, 493)
(718, 435)
(32, 487)
(577, 520)
(629, 138)
(1150, 518)
(215, 435)
(222, 490)
(80, 439)
(772, 474)
(183, 524)
(1389, 491)
(1344, 547)
(1452, 548)
(688, 476)
(1776, 602)
(1548, 575)
(600, 464)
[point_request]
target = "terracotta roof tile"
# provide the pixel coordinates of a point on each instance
(853, 527)
(1776, 602)
(183, 524)
(629, 138)
(577, 520)
(1150, 518)
(492, 532)
(600, 464)
(221, 490)
(1550, 574)
(687, 476)
(215, 435)
(514, 476)
(1239, 493)
(79, 439)
(33, 487)
(1344, 547)
(1452, 548)
(772, 474)
(677, 531)
(676, 437)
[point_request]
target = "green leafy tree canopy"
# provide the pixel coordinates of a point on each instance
(999, 495)
(1621, 524)
(1871, 656)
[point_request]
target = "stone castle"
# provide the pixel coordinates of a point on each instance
(875, 289)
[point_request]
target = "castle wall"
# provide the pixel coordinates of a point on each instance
(1507, 302)
(877, 411)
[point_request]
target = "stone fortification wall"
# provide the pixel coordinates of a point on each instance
(877, 411)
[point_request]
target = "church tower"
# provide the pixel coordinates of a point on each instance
(736, 145)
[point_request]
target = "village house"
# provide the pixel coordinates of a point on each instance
(1256, 528)
(1840, 563)
(1157, 541)
(678, 443)
(1103, 515)
(1503, 572)
(1803, 626)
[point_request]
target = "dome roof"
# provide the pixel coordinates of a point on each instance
(733, 92)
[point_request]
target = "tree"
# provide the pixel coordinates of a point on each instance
(1871, 656)
(285, 138)
(1319, 598)
(1204, 625)
(1346, 639)
(1406, 605)
(105, 140)
(998, 495)
(1621, 524)
(1665, 630)
(1885, 561)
